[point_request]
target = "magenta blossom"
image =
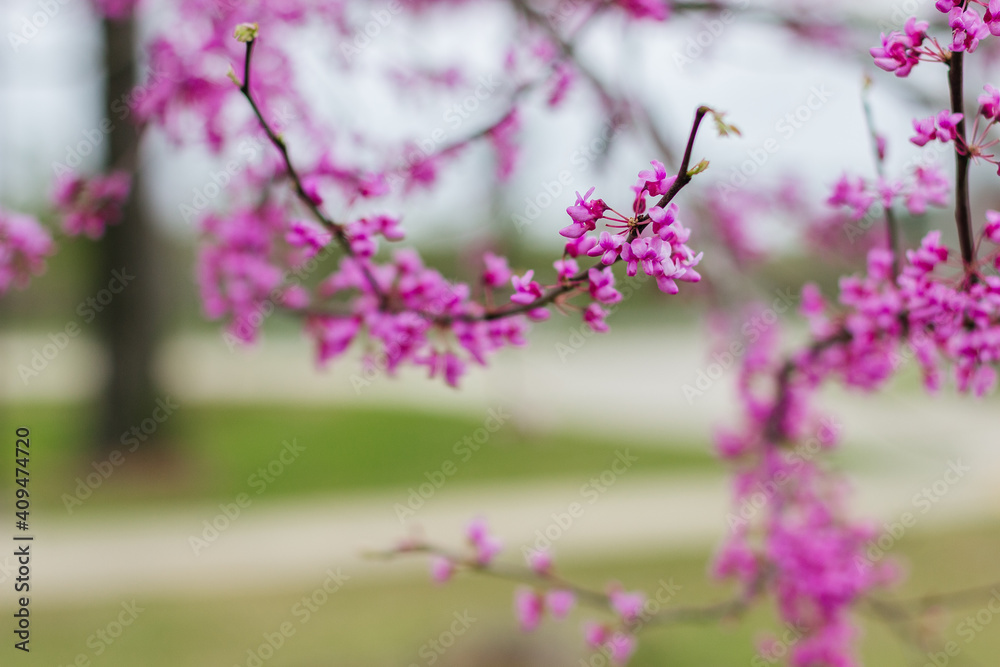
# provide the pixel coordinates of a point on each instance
(526, 290)
(585, 215)
(602, 286)
(608, 247)
(497, 272)
(528, 606)
(88, 206)
(24, 245)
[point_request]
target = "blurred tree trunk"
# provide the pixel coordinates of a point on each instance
(129, 324)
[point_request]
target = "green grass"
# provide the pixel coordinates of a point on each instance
(368, 624)
(211, 453)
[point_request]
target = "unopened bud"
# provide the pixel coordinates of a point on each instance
(245, 32)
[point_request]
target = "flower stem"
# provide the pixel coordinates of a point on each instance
(963, 216)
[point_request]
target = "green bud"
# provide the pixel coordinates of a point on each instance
(245, 32)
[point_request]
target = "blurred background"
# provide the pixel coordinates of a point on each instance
(198, 503)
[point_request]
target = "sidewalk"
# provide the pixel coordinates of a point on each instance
(913, 441)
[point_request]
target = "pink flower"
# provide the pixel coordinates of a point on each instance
(562, 80)
(931, 186)
(646, 9)
(560, 602)
(442, 569)
(602, 286)
(566, 268)
(333, 335)
(663, 220)
(621, 647)
(503, 136)
(852, 193)
(627, 605)
(992, 229)
(307, 235)
(540, 562)
(947, 123)
(24, 245)
(655, 181)
(989, 102)
(647, 252)
(446, 364)
(900, 52)
(497, 271)
(584, 214)
(594, 316)
(87, 206)
(528, 606)
(486, 545)
(595, 634)
(992, 16)
(525, 289)
(968, 29)
(581, 245)
(608, 247)
(925, 130)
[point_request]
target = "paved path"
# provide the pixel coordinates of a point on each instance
(912, 440)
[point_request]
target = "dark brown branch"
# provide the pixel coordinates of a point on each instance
(963, 215)
(337, 229)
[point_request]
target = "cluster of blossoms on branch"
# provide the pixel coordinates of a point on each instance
(85, 206)
(546, 592)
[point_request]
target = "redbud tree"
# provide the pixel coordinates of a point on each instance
(221, 71)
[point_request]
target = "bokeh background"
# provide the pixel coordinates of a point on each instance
(257, 484)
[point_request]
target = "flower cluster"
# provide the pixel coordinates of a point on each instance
(549, 594)
(87, 206)
(926, 185)
(256, 260)
(943, 127)
(24, 245)
(945, 320)
(652, 238)
(900, 51)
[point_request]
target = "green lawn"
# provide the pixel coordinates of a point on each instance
(214, 452)
(368, 624)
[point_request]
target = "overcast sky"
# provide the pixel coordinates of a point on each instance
(49, 99)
